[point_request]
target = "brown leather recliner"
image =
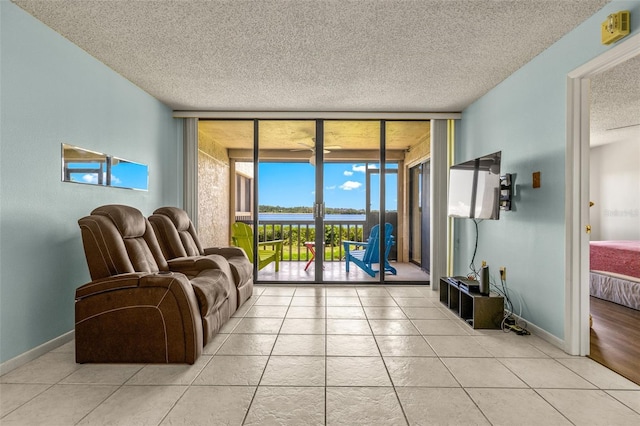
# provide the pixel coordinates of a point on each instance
(138, 308)
(178, 238)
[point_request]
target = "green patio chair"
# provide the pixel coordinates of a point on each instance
(242, 236)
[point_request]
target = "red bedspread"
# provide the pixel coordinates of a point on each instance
(621, 257)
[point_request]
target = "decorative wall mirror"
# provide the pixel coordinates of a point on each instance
(81, 165)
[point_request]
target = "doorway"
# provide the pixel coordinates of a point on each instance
(577, 330)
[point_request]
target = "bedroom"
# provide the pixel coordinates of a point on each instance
(615, 221)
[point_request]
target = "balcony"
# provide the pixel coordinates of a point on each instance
(295, 256)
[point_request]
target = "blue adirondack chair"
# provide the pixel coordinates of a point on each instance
(369, 255)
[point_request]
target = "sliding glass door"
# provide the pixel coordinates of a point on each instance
(314, 193)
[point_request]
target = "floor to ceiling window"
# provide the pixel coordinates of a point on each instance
(314, 190)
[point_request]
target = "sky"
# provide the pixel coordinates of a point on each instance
(293, 184)
(124, 174)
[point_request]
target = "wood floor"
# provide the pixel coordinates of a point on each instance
(615, 338)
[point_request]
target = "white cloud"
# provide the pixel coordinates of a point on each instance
(90, 178)
(348, 173)
(331, 187)
(349, 185)
(362, 168)
(115, 180)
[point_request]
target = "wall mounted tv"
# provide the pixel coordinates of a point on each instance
(474, 188)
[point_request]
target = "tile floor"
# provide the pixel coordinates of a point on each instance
(331, 355)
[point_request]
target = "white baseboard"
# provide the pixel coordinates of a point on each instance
(34, 353)
(541, 333)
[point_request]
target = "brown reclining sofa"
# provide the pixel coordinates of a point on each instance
(139, 308)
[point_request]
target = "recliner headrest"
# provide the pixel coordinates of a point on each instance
(130, 221)
(179, 217)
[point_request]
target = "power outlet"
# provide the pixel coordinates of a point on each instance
(503, 273)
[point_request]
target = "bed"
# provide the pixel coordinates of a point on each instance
(615, 272)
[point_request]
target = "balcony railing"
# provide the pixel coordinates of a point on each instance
(296, 232)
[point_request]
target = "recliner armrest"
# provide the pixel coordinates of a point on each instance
(191, 265)
(226, 252)
(116, 282)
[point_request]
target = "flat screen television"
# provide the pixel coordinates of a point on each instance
(474, 188)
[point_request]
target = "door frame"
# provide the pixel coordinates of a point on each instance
(576, 321)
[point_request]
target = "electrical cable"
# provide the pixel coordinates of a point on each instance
(472, 265)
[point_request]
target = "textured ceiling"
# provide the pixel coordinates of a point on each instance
(615, 104)
(324, 55)
(321, 55)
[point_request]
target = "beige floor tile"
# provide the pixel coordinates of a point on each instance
(419, 371)
(300, 344)
(590, 407)
(393, 327)
(372, 292)
(241, 311)
(49, 368)
(241, 370)
(60, 404)
(308, 301)
(597, 374)
(265, 311)
(135, 405)
(342, 301)
(457, 346)
(545, 373)
(404, 346)
(378, 301)
(169, 374)
(348, 326)
(13, 395)
(440, 328)
(416, 302)
(279, 291)
(102, 374)
(402, 292)
(284, 406)
(294, 371)
(303, 326)
(548, 348)
(214, 344)
(363, 406)
(341, 291)
(248, 344)
(211, 405)
(629, 398)
(346, 345)
(273, 300)
(516, 407)
(306, 312)
(69, 347)
(482, 373)
(310, 291)
(356, 371)
(439, 406)
(384, 312)
(229, 325)
(258, 326)
(424, 313)
(346, 312)
(509, 346)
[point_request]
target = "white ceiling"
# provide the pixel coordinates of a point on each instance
(320, 55)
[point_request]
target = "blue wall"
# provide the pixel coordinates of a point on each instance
(525, 118)
(53, 92)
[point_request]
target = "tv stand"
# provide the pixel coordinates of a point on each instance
(475, 309)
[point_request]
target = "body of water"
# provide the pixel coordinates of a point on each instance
(291, 217)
